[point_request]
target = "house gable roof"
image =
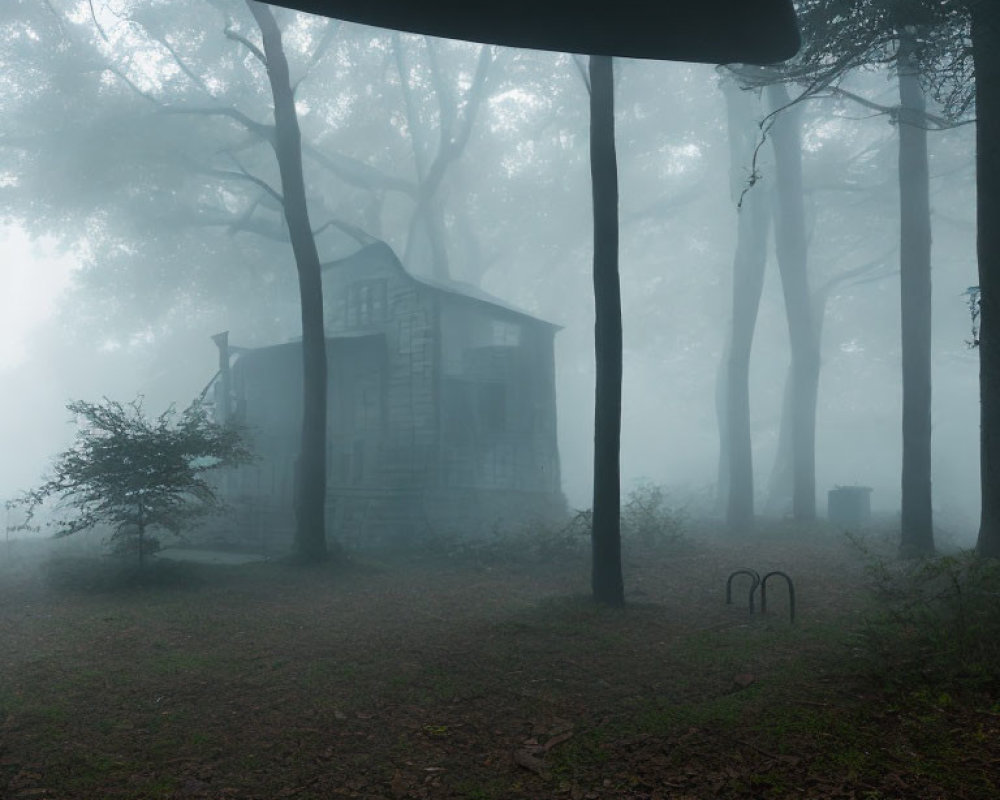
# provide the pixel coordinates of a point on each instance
(464, 292)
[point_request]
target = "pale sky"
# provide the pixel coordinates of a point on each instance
(32, 276)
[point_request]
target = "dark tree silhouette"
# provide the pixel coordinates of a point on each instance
(986, 58)
(753, 219)
(791, 251)
(840, 36)
(917, 537)
(310, 511)
(606, 575)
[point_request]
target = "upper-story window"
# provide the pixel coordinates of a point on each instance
(366, 303)
(506, 334)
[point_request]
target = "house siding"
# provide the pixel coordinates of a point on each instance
(441, 417)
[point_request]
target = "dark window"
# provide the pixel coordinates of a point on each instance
(366, 304)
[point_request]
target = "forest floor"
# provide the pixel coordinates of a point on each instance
(484, 674)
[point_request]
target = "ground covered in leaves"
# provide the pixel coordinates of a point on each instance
(482, 674)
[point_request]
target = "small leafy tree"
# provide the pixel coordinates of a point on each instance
(135, 473)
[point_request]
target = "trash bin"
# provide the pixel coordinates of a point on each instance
(849, 505)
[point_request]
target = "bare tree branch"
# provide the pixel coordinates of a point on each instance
(239, 174)
(329, 34)
(212, 217)
(412, 116)
(875, 269)
(658, 208)
(120, 74)
(257, 52)
(182, 65)
(262, 131)
(359, 235)
(357, 173)
(259, 181)
(473, 100)
(93, 16)
(447, 106)
(57, 16)
(939, 123)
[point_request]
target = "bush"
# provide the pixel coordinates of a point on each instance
(937, 620)
(134, 473)
(647, 519)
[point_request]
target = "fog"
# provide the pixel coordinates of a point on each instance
(135, 228)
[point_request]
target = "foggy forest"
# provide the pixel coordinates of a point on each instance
(559, 410)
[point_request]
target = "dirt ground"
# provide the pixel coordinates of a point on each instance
(471, 677)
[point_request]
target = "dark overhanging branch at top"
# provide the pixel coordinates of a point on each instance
(934, 122)
(820, 89)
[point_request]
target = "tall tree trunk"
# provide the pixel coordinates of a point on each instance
(722, 421)
(310, 512)
(426, 244)
(791, 251)
(426, 250)
(986, 53)
(606, 570)
(917, 537)
(748, 283)
(781, 483)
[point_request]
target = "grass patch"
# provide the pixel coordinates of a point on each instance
(451, 678)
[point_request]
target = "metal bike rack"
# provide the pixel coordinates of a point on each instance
(762, 583)
(753, 586)
(791, 593)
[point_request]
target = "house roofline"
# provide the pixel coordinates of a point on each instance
(455, 289)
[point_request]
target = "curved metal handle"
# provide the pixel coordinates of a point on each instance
(753, 586)
(791, 593)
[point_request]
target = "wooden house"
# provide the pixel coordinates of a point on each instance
(441, 417)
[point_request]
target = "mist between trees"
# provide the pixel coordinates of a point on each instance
(142, 138)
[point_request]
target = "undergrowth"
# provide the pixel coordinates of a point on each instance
(935, 621)
(646, 520)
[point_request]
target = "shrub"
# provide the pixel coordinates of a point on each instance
(134, 473)
(936, 620)
(647, 519)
